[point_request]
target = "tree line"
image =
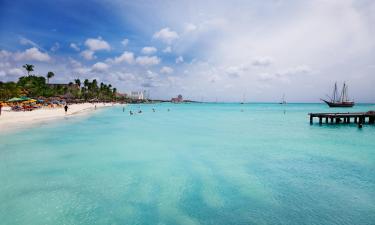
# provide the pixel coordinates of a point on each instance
(38, 86)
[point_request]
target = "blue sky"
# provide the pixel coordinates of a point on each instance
(201, 49)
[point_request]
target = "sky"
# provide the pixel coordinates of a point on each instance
(255, 50)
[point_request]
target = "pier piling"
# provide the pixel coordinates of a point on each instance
(371, 120)
(360, 118)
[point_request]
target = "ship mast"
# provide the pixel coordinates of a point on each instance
(343, 96)
(335, 93)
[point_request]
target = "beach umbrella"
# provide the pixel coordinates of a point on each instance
(15, 100)
(30, 101)
(24, 98)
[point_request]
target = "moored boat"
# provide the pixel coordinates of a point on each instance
(341, 100)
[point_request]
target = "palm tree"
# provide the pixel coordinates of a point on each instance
(86, 83)
(78, 82)
(50, 75)
(29, 68)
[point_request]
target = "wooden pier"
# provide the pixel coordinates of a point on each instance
(359, 118)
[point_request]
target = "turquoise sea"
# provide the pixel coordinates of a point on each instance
(195, 164)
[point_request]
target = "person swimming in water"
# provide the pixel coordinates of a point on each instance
(130, 112)
(153, 109)
(140, 111)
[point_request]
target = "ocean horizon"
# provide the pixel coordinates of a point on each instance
(196, 163)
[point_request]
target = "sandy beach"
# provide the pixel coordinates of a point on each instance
(10, 120)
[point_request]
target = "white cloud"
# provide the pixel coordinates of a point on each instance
(4, 64)
(166, 70)
(55, 47)
(151, 74)
(168, 49)
(5, 54)
(266, 77)
(74, 63)
(179, 59)
(88, 54)
(75, 47)
(125, 42)
(127, 57)
(96, 44)
(166, 35)
(286, 74)
(16, 72)
(78, 68)
(25, 41)
(233, 71)
(100, 67)
(32, 54)
(189, 27)
(82, 70)
(302, 69)
(262, 61)
(148, 50)
(147, 60)
(125, 76)
(93, 45)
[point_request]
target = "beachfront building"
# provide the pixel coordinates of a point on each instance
(121, 95)
(138, 95)
(178, 99)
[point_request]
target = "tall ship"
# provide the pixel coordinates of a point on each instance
(283, 101)
(339, 100)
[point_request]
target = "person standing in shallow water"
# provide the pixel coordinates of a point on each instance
(66, 108)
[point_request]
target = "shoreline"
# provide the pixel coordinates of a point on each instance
(11, 121)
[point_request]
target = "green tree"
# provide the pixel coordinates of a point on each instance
(29, 68)
(49, 76)
(77, 82)
(9, 90)
(33, 85)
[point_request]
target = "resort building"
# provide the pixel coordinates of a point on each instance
(139, 95)
(178, 99)
(121, 95)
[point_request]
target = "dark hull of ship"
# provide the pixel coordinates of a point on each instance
(339, 104)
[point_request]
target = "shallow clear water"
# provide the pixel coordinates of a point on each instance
(196, 164)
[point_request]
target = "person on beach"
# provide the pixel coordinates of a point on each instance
(95, 107)
(66, 108)
(1, 106)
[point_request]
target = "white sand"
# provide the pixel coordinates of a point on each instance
(10, 120)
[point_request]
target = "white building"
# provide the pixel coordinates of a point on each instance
(139, 95)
